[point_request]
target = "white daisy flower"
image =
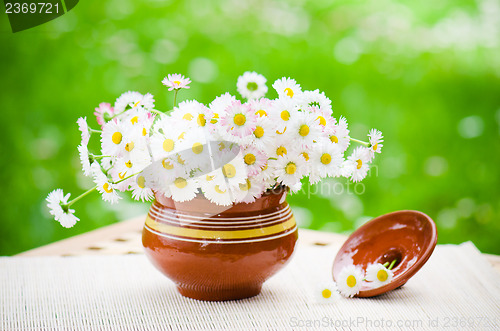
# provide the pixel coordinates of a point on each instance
(357, 164)
(289, 169)
(254, 159)
(316, 99)
(141, 189)
(103, 113)
(113, 138)
(326, 161)
(119, 172)
(279, 146)
(184, 188)
(192, 113)
(235, 171)
(166, 138)
(326, 292)
(239, 120)
(176, 82)
(194, 151)
(262, 106)
(378, 275)
(339, 134)
(219, 105)
(263, 134)
(130, 99)
(104, 185)
(350, 280)
(84, 129)
(252, 189)
(324, 119)
(85, 159)
(287, 87)
(251, 85)
(161, 175)
(57, 203)
(375, 139)
(304, 130)
(283, 113)
(215, 188)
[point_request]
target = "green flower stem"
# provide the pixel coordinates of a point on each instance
(80, 196)
(175, 96)
(364, 143)
(121, 180)
(96, 131)
(386, 264)
(392, 264)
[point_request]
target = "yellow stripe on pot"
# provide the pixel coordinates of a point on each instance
(219, 234)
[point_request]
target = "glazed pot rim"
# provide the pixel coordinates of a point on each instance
(200, 204)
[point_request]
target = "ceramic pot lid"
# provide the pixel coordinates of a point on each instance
(407, 236)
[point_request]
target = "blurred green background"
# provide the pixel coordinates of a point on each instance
(426, 73)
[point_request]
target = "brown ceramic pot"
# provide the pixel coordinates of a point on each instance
(220, 253)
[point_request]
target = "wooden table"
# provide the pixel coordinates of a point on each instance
(125, 238)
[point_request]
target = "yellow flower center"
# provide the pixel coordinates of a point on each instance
(306, 156)
(249, 159)
(221, 146)
(239, 119)
(128, 164)
(129, 146)
(290, 168)
(258, 132)
(360, 164)
(281, 151)
(180, 182)
(304, 130)
(261, 112)
(180, 160)
(176, 82)
(322, 120)
(181, 136)
(351, 281)
(107, 188)
(288, 91)
(209, 178)
(218, 190)
(284, 130)
(136, 104)
(285, 115)
(375, 147)
(229, 170)
(246, 186)
(197, 148)
(166, 164)
(326, 293)
(326, 158)
(168, 145)
(116, 137)
(187, 117)
(334, 139)
(122, 174)
(141, 181)
(144, 132)
(134, 119)
(382, 275)
(201, 120)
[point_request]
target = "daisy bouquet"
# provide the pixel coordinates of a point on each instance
(230, 151)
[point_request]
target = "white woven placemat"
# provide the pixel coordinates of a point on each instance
(456, 289)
